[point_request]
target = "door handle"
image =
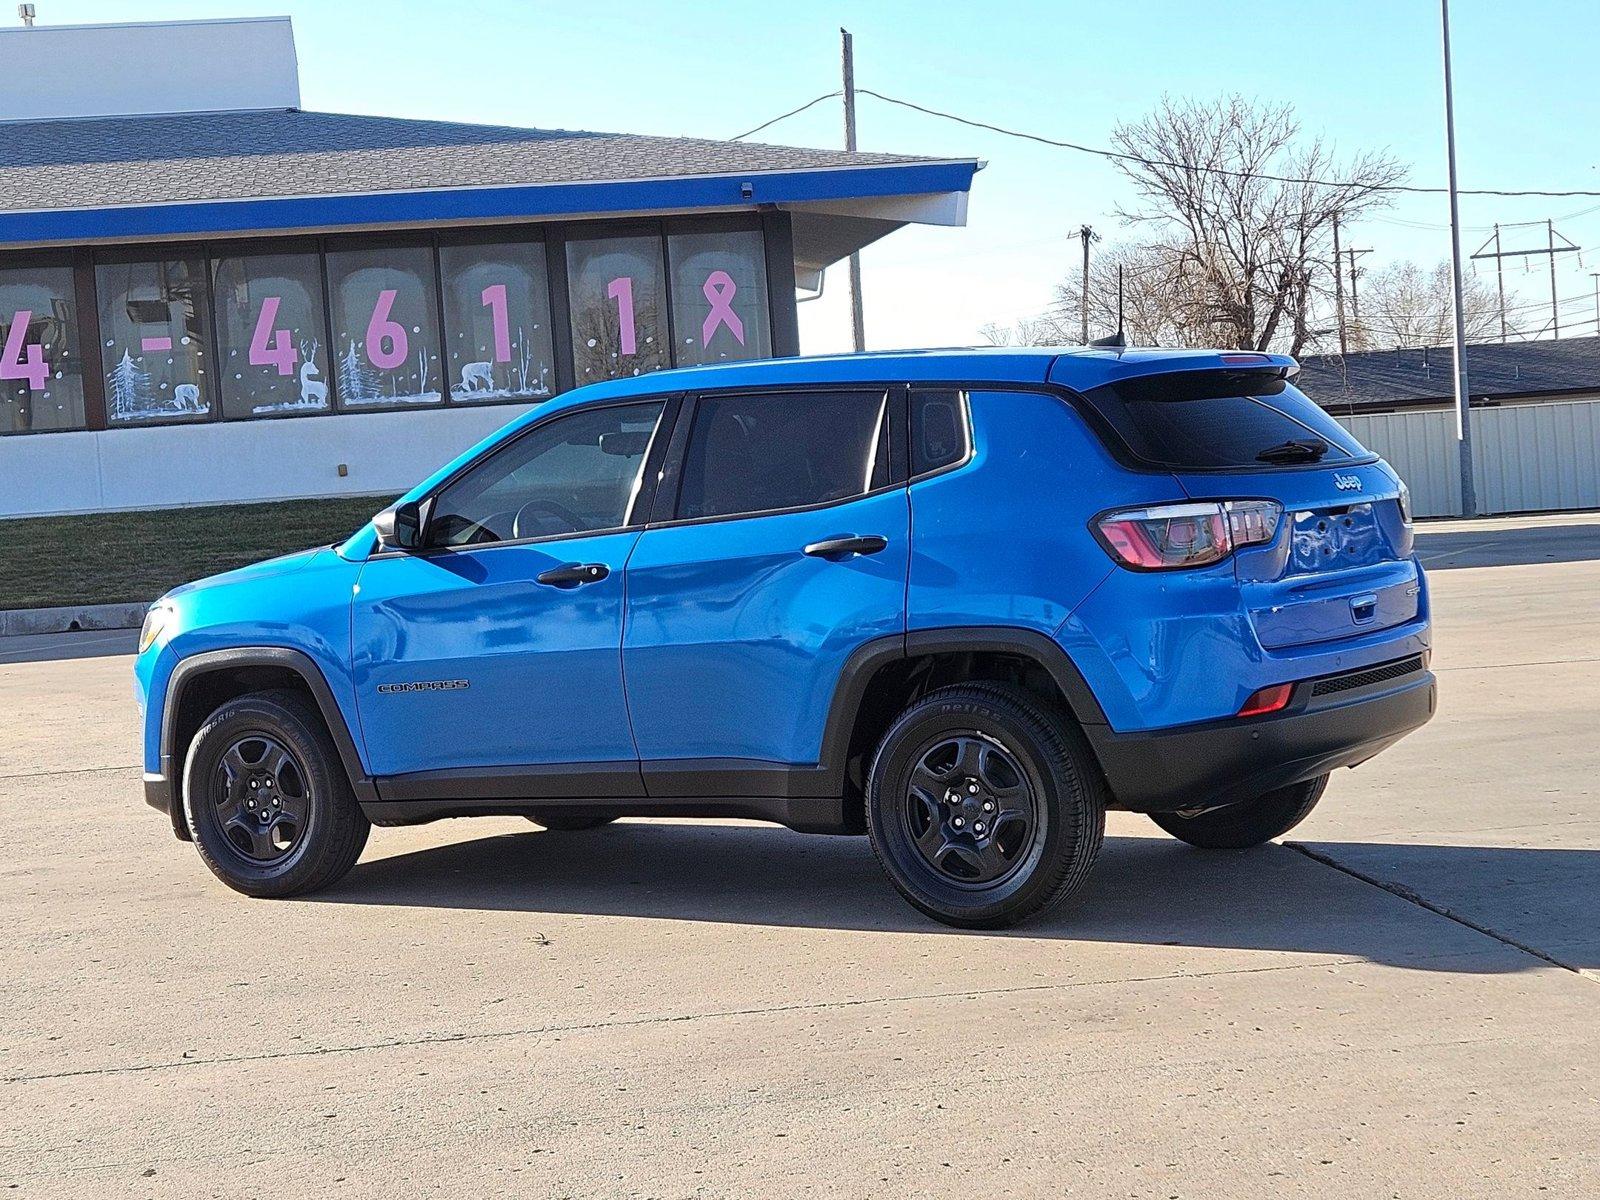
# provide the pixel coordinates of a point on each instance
(573, 575)
(843, 547)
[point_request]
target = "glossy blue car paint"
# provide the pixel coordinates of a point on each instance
(545, 674)
(296, 602)
(721, 641)
(736, 639)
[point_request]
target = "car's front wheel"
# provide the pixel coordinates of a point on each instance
(985, 805)
(1246, 823)
(267, 799)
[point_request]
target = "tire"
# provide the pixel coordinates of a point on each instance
(567, 820)
(1248, 822)
(275, 747)
(998, 739)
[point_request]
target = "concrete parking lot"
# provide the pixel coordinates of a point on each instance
(1402, 1000)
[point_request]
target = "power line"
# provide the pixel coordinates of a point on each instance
(1123, 156)
(793, 112)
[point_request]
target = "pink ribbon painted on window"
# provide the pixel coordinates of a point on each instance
(719, 290)
(152, 344)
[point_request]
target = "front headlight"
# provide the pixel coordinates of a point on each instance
(155, 623)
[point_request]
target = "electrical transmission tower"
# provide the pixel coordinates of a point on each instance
(1550, 249)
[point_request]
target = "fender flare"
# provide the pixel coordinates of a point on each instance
(866, 660)
(208, 662)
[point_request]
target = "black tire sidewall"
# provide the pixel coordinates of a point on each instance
(1048, 774)
(329, 789)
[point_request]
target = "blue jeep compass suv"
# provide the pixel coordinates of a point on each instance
(961, 601)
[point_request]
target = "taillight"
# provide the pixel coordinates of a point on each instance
(1172, 537)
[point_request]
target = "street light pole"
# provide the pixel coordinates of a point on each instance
(1469, 499)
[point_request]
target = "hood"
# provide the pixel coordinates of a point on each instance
(284, 564)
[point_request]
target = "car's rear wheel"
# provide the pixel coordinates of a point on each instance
(985, 805)
(267, 800)
(569, 819)
(1246, 823)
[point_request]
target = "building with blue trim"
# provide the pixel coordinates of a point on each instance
(209, 295)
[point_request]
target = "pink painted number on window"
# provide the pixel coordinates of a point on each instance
(621, 290)
(17, 364)
(494, 299)
(386, 338)
(280, 353)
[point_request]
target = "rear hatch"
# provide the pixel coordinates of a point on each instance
(1340, 565)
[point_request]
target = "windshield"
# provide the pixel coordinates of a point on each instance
(1197, 420)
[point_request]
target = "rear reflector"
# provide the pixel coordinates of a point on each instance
(1268, 700)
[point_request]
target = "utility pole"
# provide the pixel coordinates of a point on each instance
(847, 62)
(1550, 249)
(1087, 234)
(1595, 275)
(1469, 497)
(1338, 285)
(1500, 279)
(1555, 308)
(1355, 291)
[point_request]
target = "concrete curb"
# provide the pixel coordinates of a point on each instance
(77, 616)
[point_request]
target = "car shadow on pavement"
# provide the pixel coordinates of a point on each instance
(1145, 890)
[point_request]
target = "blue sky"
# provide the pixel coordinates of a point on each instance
(1362, 72)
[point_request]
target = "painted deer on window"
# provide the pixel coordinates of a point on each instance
(313, 392)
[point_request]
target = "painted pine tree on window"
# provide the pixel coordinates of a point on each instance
(128, 390)
(357, 380)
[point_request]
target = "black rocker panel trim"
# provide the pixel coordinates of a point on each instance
(806, 814)
(553, 781)
(161, 790)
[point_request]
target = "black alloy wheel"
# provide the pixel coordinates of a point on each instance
(969, 809)
(263, 799)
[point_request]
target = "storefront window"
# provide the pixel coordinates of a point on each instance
(619, 307)
(719, 296)
(385, 327)
(41, 370)
(153, 337)
(497, 321)
(270, 335)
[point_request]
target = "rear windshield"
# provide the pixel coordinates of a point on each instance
(1196, 420)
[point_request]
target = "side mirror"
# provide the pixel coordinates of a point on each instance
(399, 526)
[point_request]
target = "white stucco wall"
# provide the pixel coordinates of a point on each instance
(233, 462)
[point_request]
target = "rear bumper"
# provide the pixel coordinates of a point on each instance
(1219, 761)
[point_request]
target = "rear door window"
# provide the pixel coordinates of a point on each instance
(783, 450)
(1198, 420)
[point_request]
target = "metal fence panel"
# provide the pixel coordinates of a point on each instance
(1526, 457)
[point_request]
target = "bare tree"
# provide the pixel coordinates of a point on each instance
(1405, 305)
(1144, 284)
(1251, 255)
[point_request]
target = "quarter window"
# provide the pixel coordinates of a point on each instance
(573, 474)
(938, 430)
(759, 453)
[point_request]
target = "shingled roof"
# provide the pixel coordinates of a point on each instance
(1417, 376)
(246, 155)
